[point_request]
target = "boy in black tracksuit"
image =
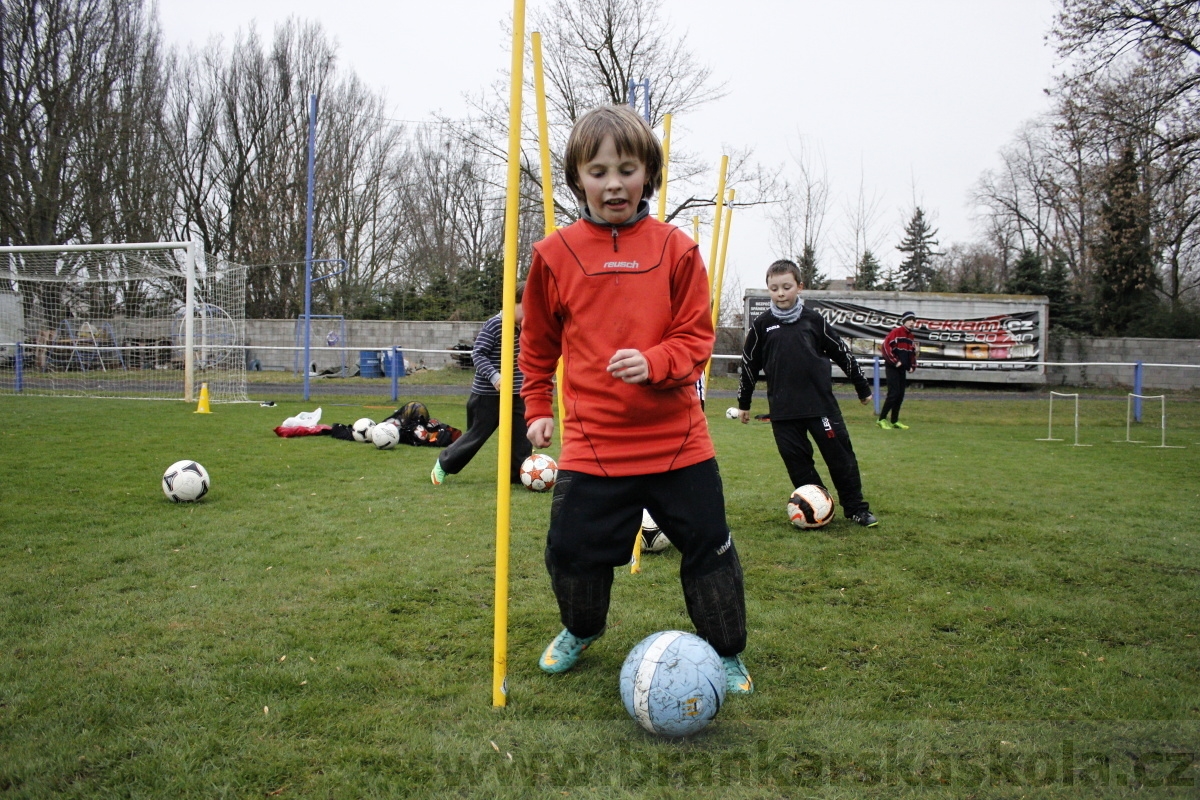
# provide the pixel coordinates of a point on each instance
(793, 345)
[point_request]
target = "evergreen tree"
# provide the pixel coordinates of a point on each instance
(870, 272)
(1065, 308)
(810, 276)
(1125, 277)
(1026, 276)
(916, 271)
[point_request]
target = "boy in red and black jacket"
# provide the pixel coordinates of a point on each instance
(899, 351)
(623, 299)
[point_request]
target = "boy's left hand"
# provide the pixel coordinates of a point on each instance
(630, 366)
(866, 399)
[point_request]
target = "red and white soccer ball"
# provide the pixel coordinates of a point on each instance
(810, 506)
(539, 472)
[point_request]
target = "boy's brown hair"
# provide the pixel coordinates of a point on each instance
(783, 267)
(631, 135)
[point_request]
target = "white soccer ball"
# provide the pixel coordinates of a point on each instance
(361, 429)
(653, 539)
(539, 472)
(810, 506)
(185, 481)
(673, 683)
(732, 413)
(385, 436)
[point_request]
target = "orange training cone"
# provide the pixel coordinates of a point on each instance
(203, 407)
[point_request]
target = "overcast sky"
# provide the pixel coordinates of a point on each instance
(911, 98)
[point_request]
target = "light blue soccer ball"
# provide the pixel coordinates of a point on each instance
(673, 683)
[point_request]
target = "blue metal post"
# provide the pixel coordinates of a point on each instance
(20, 365)
(1137, 390)
(308, 240)
(395, 374)
(876, 392)
(644, 85)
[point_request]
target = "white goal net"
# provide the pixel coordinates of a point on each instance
(139, 321)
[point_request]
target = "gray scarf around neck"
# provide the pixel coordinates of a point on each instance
(642, 211)
(791, 315)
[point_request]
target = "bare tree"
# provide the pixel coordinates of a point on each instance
(80, 93)
(798, 220)
(861, 231)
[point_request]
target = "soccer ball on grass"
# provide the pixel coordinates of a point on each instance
(385, 436)
(653, 539)
(539, 472)
(185, 481)
(673, 683)
(732, 412)
(361, 429)
(810, 506)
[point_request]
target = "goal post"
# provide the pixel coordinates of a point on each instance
(147, 320)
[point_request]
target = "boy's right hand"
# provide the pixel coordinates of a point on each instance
(540, 431)
(744, 416)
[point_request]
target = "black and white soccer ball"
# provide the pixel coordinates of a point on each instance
(361, 429)
(732, 412)
(185, 481)
(810, 506)
(385, 435)
(653, 539)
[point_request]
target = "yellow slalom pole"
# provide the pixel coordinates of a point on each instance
(716, 234)
(696, 229)
(539, 86)
(666, 146)
(720, 279)
(508, 328)
(635, 565)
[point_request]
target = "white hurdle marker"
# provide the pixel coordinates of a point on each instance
(1163, 416)
(1050, 428)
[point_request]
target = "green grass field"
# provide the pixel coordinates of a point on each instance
(1022, 623)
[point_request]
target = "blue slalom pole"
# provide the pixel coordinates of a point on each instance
(395, 374)
(308, 240)
(876, 392)
(1137, 390)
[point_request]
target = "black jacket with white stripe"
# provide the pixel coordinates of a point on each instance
(796, 359)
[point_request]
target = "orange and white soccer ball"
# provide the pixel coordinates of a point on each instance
(810, 506)
(539, 472)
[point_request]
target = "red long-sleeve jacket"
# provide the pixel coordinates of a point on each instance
(899, 348)
(593, 290)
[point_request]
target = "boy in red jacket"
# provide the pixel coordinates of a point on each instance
(623, 299)
(899, 351)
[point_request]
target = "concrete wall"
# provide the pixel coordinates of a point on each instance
(417, 336)
(359, 335)
(1124, 351)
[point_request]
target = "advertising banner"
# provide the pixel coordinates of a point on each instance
(1007, 341)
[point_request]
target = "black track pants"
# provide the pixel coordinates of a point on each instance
(897, 381)
(594, 521)
(833, 440)
(483, 418)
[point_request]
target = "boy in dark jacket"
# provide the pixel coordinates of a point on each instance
(899, 351)
(793, 345)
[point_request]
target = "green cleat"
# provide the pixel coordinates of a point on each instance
(737, 678)
(900, 425)
(883, 423)
(437, 475)
(562, 653)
